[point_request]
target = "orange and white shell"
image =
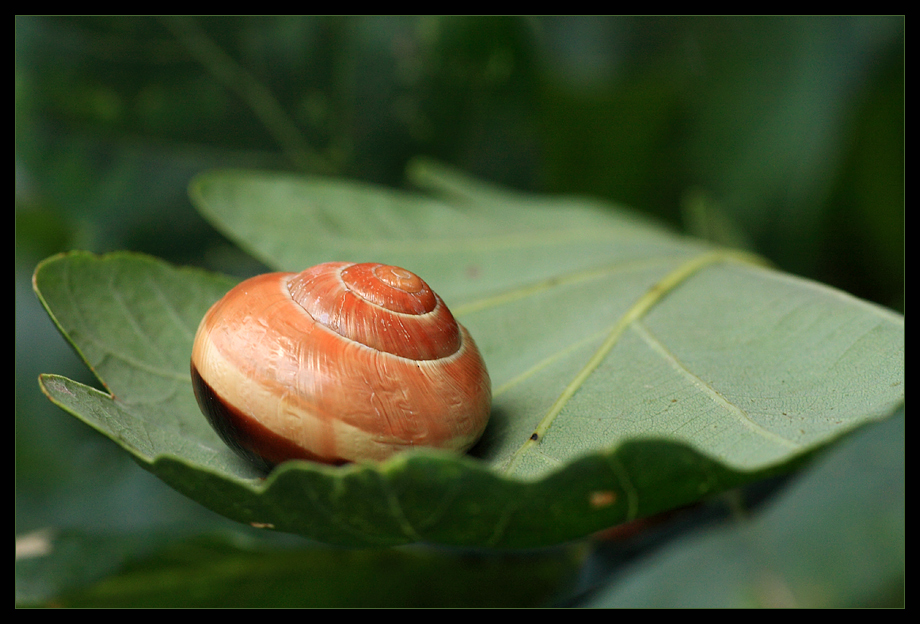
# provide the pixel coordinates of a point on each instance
(342, 362)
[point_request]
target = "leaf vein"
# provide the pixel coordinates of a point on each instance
(635, 312)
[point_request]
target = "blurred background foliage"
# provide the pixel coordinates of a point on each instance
(781, 135)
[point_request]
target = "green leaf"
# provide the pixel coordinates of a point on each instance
(633, 370)
(823, 542)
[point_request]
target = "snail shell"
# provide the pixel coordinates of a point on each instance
(342, 362)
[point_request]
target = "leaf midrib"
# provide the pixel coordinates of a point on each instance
(642, 306)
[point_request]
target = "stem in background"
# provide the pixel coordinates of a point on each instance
(256, 95)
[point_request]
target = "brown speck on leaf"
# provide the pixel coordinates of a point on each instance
(602, 498)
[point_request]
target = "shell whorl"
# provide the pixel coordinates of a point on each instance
(382, 307)
(341, 362)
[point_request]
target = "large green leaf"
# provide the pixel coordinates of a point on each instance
(653, 370)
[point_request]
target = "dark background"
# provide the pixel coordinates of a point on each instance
(781, 135)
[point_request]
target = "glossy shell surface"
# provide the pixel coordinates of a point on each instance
(342, 362)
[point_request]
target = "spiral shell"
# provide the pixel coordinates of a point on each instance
(342, 362)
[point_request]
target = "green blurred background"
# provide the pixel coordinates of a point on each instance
(781, 135)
